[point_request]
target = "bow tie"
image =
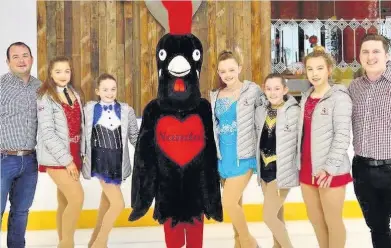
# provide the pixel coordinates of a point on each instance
(110, 107)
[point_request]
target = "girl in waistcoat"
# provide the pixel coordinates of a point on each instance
(323, 140)
(60, 119)
(109, 125)
(276, 129)
(233, 107)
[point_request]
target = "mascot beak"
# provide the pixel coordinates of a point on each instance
(179, 66)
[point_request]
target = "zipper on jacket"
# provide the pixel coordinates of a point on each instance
(312, 127)
(65, 117)
(312, 163)
(242, 90)
(237, 126)
(237, 110)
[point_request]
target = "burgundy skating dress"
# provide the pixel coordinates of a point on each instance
(306, 165)
(73, 115)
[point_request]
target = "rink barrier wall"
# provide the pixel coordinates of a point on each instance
(46, 220)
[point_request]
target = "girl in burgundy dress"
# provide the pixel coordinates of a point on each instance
(324, 138)
(60, 118)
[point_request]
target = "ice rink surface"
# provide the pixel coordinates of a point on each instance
(215, 236)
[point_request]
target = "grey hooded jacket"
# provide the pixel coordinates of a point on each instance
(250, 97)
(330, 131)
(286, 142)
(53, 134)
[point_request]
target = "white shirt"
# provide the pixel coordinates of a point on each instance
(60, 89)
(109, 119)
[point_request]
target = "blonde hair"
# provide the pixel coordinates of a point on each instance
(320, 51)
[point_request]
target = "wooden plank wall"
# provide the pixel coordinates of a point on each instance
(119, 37)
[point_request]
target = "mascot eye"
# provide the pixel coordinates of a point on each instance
(196, 55)
(162, 54)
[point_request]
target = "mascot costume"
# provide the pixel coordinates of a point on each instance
(175, 157)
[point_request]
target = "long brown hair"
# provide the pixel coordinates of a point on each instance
(49, 86)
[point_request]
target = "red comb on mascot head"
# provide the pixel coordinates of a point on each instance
(175, 158)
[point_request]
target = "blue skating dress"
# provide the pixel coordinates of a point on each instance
(230, 165)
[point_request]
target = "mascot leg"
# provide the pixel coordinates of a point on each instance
(195, 233)
(174, 236)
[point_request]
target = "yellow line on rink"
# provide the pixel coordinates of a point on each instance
(46, 220)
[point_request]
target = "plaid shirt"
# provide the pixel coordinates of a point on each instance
(371, 117)
(18, 112)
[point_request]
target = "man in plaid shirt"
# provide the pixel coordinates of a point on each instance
(371, 119)
(18, 131)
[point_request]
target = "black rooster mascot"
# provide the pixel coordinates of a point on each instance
(175, 158)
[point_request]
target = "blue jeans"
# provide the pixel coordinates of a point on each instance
(19, 175)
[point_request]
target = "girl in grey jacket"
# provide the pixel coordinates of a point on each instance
(233, 107)
(324, 137)
(276, 131)
(60, 119)
(108, 127)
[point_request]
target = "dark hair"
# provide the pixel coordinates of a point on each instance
(281, 77)
(376, 37)
(19, 43)
(276, 75)
(49, 86)
(104, 76)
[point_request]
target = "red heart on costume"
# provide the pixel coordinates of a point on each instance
(180, 140)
